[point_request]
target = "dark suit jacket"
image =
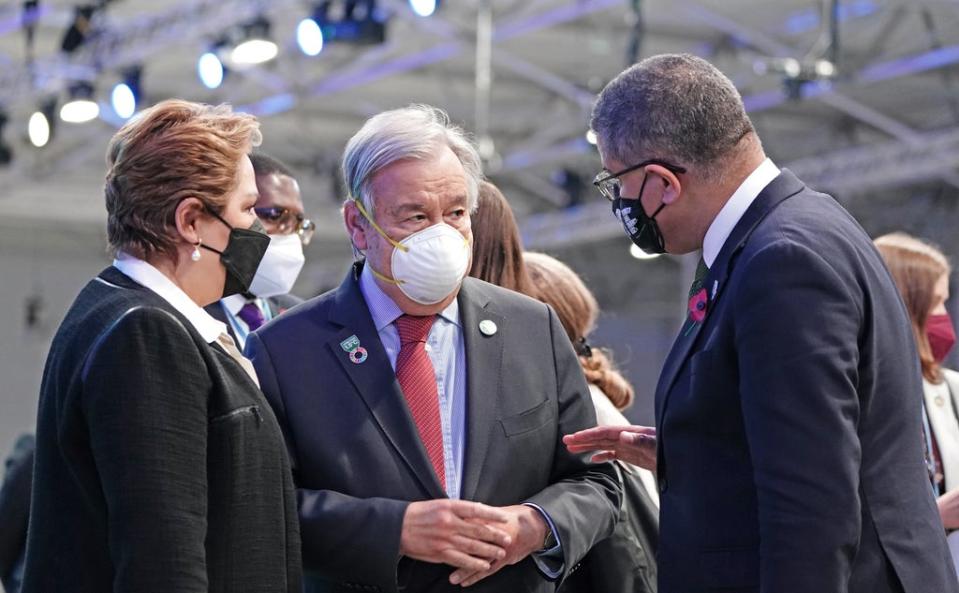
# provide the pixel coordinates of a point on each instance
(277, 304)
(358, 460)
(624, 562)
(790, 440)
(159, 465)
(15, 509)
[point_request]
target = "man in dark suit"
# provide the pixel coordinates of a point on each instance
(280, 210)
(789, 436)
(424, 412)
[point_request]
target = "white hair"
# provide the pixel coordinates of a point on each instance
(413, 132)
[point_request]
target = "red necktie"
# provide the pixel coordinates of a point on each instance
(417, 379)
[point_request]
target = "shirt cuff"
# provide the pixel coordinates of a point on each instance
(549, 562)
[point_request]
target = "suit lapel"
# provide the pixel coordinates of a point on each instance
(484, 361)
(375, 381)
(782, 187)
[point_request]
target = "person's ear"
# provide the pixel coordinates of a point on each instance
(187, 216)
(356, 225)
(672, 186)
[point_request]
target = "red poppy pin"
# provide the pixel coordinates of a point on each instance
(697, 306)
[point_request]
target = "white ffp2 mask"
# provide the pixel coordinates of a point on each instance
(432, 265)
(280, 266)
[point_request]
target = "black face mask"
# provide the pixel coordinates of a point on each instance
(642, 229)
(242, 255)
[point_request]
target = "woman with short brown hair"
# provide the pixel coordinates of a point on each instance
(159, 464)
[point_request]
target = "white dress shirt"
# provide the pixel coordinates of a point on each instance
(735, 207)
(148, 276)
(447, 351)
(940, 406)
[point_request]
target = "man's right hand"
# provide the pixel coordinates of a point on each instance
(632, 444)
(447, 532)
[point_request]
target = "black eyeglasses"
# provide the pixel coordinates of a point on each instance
(286, 221)
(608, 183)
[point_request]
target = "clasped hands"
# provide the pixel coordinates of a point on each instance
(476, 539)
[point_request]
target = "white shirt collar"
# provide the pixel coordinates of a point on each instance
(148, 276)
(234, 303)
(735, 207)
(385, 311)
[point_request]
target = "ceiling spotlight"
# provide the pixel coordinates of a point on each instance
(824, 69)
(38, 129)
(254, 46)
(81, 107)
(638, 253)
(357, 21)
(211, 70)
(41, 124)
(126, 94)
(424, 8)
(591, 137)
(309, 36)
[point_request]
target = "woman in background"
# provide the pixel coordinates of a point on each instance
(921, 273)
(497, 250)
(159, 464)
(626, 561)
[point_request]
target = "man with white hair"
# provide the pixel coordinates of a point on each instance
(423, 410)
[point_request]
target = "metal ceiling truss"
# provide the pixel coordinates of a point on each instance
(843, 173)
(115, 45)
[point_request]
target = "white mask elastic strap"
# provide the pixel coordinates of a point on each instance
(384, 278)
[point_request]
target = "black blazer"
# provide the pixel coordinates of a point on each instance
(159, 465)
(278, 304)
(790, 439)
(358, 460)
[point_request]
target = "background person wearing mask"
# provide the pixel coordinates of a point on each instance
(159, 465)
(921, 272)
(625, 562)
(425, 411)
(280, 210)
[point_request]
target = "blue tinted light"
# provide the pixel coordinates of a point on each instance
(210, 70)
(124, 101)
(309, 37)
(423, 7)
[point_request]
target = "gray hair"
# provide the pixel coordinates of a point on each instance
(413, 132)
(676, 107)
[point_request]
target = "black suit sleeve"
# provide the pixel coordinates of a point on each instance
(145, 387)
(797, 324)
(334, 525)
(583, 498)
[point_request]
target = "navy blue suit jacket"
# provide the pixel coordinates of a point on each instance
(790, 440)
(358, 460)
